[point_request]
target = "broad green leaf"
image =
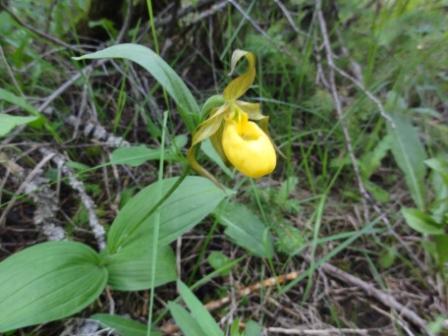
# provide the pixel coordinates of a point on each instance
(123, 326)
(371, 161)
(437, 326)
(199, 312)
(161, 71)
(290, 239)
(210, 126)
(18, 101)
(9, 122)
(439, 165)
(22, 103)
(130, 267)
(410, 156)
(219, 261)
(137, 155)
(246, 229)
(47, 282)
(379, 194)
(282, 194)
(421, 222)
(212, 154)
(235, 328)
(439, 181)
(192, 201)
(387, 257)
(441, 244)
(186, 323)
(211, 103)
(180, 141)
(253, 329)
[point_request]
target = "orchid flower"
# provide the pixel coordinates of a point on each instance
(237, 129)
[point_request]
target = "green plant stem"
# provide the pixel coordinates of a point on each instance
(155, 241)
(153, 27)
(156, 42)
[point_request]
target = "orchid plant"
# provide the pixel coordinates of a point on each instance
(237, 129)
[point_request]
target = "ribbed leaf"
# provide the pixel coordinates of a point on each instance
(210, 104)
(123, 326)
(9, 122)
(18, 101)
(47, 282)
(130, 268)
(199, 312)
(185, 321)
(161, 71)
(246, 229)
(137, 155)
(194, 199)
(410, 156)
(253, 329)
(422, 222)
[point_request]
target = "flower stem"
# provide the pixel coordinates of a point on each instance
(155, 241)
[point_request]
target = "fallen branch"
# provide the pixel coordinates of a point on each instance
(37, 187)
(97, 229)
(331, 83)
(97, 132)
(246, 291)
(381, 296)
(384, 298)
(170, 328)
(322, 332)
(44, 35)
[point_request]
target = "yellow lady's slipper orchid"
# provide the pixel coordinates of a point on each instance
(248, 147)
(242, 142)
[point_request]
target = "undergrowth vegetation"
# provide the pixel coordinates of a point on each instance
(224, 167)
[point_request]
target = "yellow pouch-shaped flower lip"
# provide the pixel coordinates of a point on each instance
(243, 143)
(248, 148)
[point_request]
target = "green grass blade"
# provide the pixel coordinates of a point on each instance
(123, 326)
(199, 312)
(186, 323)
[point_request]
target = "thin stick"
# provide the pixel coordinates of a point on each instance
(383, 297)
(246, 291)
(44, 198)
(155, 241)
(337, 101)
(322, 332)
(367, 199)
(10, 73)
(24, 185)
(287, 15)
(97, 229)
(46, 36)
